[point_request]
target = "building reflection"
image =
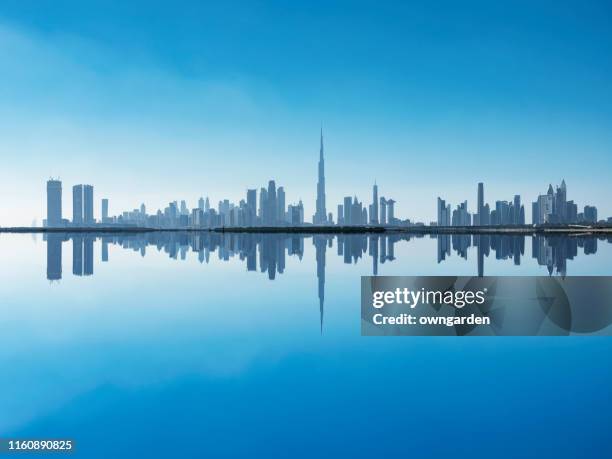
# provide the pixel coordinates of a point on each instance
(267, 253)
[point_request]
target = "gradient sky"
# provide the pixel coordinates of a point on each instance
(152, 102)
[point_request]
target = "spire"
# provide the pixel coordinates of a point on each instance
(321, 151)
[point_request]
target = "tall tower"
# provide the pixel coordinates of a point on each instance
(77, 205)
(88, 205)
(374, 211)
(320, 217)
(480, 210)
(54, 203)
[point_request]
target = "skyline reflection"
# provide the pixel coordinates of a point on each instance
(267, 252)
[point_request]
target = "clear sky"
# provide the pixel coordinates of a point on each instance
(159, 101)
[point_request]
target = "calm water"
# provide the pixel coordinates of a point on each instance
(179, 345)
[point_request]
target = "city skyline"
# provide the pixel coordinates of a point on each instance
(273, 210)
(197, 106)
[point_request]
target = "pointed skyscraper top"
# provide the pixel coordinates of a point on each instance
(321, 151)
(563, 186)
(550, 189)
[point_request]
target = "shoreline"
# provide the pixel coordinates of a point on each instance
(424, 230)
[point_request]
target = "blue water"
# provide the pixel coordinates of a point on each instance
(146, 355)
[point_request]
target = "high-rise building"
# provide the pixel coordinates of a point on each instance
(340, 214)
(320, 216)
(88, 205)
(104, 210)
(263, 202)
(383, 211)
(374, 211)
(443, 213)
(271, 207)
(251, 204)
(590, 214)
(390, 211)
(348, 205)
(54, 203)
(482, 217)
(77, 205)
(82, 205)
(461, 216)
(280, 205)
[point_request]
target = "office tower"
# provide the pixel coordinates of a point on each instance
(54, 203)
(206, 205)
(104, 210)
(263, 202)
(383, 211)
(88, 205)
(348, 205)
(251, 204)
(270, 209)
(480, 205)
(201, 204)
(461, 216)
(77, 205)
(560, 203)
(554, 208)
(340, 214)
(374, 208)
(516, 208)
(390, 211)
(443, 213)
(356, 212)
(590, 214)
(280, 204)
(294, 213)
(301, 209)
(320, 216)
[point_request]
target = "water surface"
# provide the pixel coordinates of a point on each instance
(213, 345)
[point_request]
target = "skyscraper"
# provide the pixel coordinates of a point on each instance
(390, 211)
(374, 212)
(104, 210)
(320, 217)
(481, 219)
(88, 205)
(77, 205)
(443, 213)
(251, 203)
(54, 203)
(348, 205)
(270, 209)
(280, 205)
(383, 211)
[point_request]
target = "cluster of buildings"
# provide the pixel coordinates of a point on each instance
(554, 208)
(551, 208)
(505, 212)
(268, 208)
(380, 212)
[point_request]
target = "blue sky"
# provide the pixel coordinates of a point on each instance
(157, 101)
